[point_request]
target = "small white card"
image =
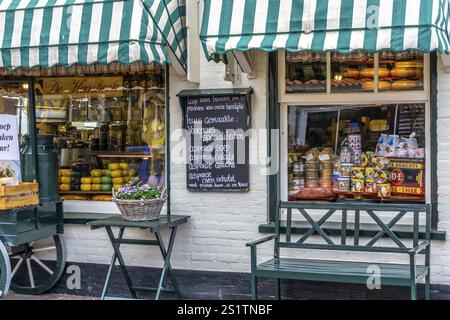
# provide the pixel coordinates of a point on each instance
(9, 150)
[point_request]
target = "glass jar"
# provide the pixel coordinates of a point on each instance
(117, 136)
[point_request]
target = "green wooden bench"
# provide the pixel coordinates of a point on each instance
(362, 272)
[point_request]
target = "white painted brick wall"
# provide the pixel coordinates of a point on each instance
(222, 223)
(440, 256)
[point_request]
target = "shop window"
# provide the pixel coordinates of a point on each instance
(13, 102)
(352, 72)
(358, 71)
(371, 152)
(108, 129)
(306, 72)
(400, 71)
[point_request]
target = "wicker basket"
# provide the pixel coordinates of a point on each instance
(140, 210)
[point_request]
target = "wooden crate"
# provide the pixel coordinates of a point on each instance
(17, 196)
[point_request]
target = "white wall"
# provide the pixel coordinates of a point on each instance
(221, 224)
(440, 256)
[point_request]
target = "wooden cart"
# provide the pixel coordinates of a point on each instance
(32, 252)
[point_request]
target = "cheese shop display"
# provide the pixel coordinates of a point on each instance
(110, 129)
(356, 153)
(306, 72)
(396, 72)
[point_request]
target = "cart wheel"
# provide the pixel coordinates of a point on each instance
(37, 265)
(5, 271)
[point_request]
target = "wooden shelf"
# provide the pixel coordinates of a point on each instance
(123, 156)
(85, 192)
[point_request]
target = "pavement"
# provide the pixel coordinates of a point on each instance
(14, 296)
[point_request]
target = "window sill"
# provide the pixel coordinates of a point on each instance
(366, 230)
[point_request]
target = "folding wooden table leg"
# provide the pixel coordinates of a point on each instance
(121, 261)
(167, 267)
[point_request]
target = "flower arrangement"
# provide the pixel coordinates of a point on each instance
(138, 192)
(140, 201)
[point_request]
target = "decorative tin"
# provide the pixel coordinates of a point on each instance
(408, 176)
(384, 190)
(357, 186)
(369, 174)
(381, 176)
(344, 184)
(346, 169)
(358, 173)
(370, 187)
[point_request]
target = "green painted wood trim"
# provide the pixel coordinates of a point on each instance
(136, 242)
(272, 123)
(324, 277)
(167, 93)
(32, 130)
(215, 92)
(357, 205)
(334, 229)
(83, 218)
(434, 139)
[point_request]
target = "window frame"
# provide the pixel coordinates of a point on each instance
(82, 206)
(277, 111)
(352, 97)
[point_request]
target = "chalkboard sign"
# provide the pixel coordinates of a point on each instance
(218, 124)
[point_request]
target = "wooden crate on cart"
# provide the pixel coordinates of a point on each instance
(17, 196)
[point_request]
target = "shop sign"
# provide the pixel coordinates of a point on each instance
(82, 86)
(9, 149)
(219, 147)
(407, 176)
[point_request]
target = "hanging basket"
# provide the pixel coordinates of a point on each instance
(140, 210)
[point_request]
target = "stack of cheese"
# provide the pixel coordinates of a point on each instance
(115, 177)
(65, 179)
(121, 174)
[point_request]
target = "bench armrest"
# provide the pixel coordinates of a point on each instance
(260, 241)
(419, 248)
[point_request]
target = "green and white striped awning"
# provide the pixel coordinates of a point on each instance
(47, 33)
(325, 25)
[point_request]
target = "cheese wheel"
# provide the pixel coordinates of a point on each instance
(86, 187)
(370, 73)
(96, 173)
(405, 72)
(124, 166)
(75, 197)
(97, 180)
(382, 86)
(350, 73)
(86, 180)
(102, 198)
(116, 173)
(113, 166)
(405, 85)
(65, 172)
(64, 187)
(65, 180)
(409, 64)
(118, 180)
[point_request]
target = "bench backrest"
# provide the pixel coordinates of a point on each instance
(350, 232)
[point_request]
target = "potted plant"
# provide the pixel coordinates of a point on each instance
(141, 202)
